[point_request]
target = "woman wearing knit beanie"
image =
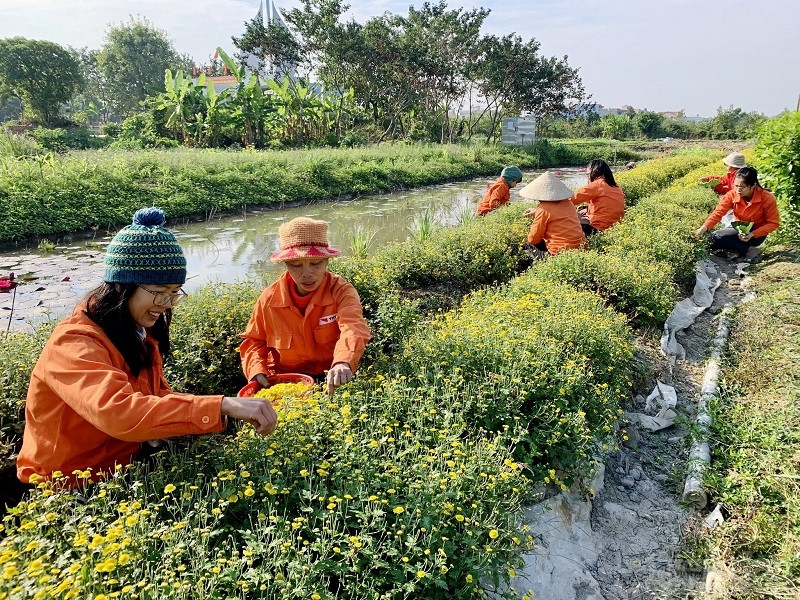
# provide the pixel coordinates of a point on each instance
(97, 391)
(500, 192)
(309, 321)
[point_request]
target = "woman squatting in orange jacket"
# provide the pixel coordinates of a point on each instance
(98, 389)
(751, 203)
(604, 199)
(500, 192)
(309, 321)
(734, 161)
(555, 225)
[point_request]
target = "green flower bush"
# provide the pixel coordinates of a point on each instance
(660, 229)
(653, 175)
(18, 353)
(778, 156)
(205, 339)
(641, 289)
(544, 361)
(380, 494)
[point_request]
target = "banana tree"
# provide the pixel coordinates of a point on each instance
(182, 100)
(300, 109)
(252, 109)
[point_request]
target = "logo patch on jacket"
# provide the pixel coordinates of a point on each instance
(328, 319)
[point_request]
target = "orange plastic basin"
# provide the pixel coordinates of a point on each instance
(253, 387)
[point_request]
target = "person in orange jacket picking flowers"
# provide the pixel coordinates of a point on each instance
(98, 389)
(734, 161)
(555, 225)
(753, 206)
(500, 191)
(309, 321)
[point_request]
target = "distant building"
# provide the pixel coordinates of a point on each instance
(696, 119)
(602, 111)
(518, 131)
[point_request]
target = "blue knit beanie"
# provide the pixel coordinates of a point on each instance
(145, 252)
(511, 174)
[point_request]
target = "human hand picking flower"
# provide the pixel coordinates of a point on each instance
(339, 374)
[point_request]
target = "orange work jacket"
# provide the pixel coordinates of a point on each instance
(85, 408)
(761, 211)
(279, 339)
(557, 224)
(606, 203)
(498, 195)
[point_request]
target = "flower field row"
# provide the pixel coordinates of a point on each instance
(408, 483)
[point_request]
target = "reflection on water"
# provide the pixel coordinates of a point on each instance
(237, 248)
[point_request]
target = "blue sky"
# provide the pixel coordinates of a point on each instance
(666, 55)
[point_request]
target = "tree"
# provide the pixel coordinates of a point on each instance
(132, 62)
(735, 124)
(514, 78)
(650, 125)
(272, 44)
(40, 74)
(617, 127)
(442, 45)
(94, 90)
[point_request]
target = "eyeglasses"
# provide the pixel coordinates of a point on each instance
(164, 298)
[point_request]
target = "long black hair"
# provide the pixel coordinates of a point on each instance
(599, 168)
(107, 305)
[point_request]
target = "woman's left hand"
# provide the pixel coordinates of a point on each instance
(746, 238)
(339, 374)
(528, 214)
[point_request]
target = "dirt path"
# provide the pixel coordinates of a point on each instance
(624, 544)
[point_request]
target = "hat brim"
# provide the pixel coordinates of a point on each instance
(304, 252)
(729, 164)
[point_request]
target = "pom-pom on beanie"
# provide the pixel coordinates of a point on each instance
(145, 252)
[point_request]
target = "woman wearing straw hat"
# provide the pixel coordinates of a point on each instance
(500, 192)
(734, 161)
(98, 390)
(309, 321)
(555, 224)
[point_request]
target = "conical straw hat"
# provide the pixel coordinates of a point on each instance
(546, 188)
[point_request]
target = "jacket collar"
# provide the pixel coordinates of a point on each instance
(283, 298)
(757, 197)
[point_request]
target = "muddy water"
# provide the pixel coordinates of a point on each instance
(232, 248)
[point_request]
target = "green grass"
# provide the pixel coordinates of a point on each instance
(756, 459)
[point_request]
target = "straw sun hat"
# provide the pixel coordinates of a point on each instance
(735, 160)
(303, 238)
(546, 188)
